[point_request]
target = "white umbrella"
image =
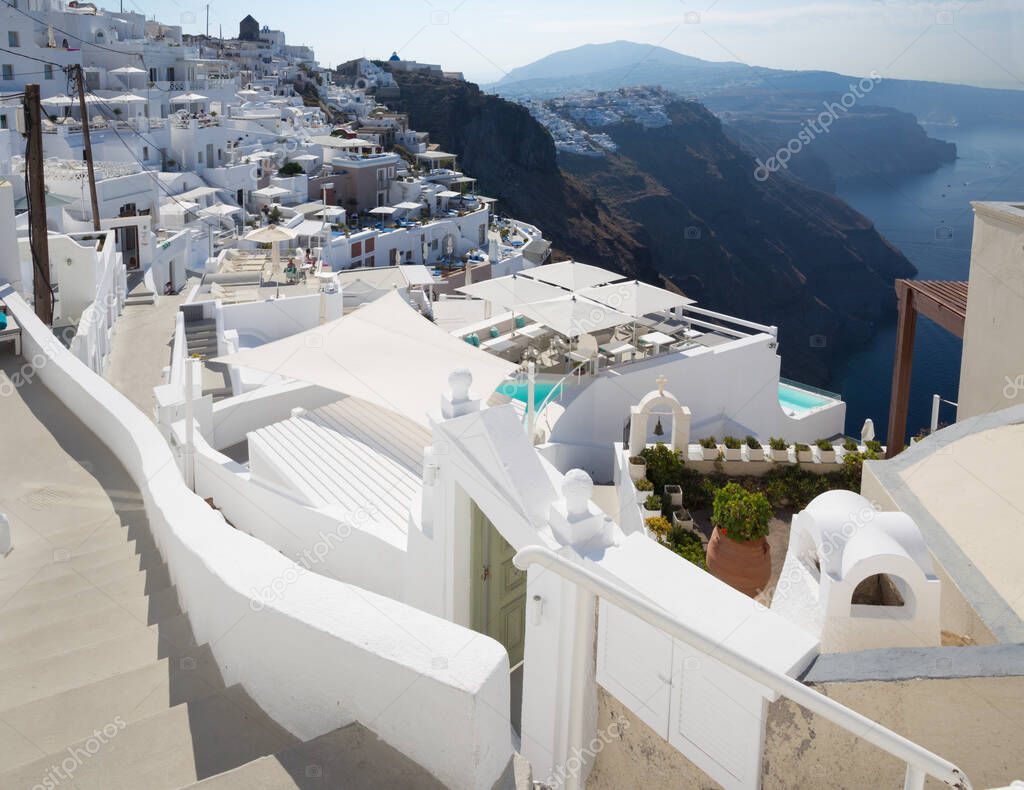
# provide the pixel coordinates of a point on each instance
(572, 275)
(188, 98)
(382, 211)
(220, 210)
(60, 100)
(271, 234)
(125, 98)
(330, 211)
(572, 316)
(128, 70)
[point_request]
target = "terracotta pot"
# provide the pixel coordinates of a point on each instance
(745, 566)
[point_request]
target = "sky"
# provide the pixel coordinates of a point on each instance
(976, 42)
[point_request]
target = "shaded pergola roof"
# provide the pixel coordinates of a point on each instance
(945, 303)
(571, 316)
(385, 353)
(511, 290)
(635, 298)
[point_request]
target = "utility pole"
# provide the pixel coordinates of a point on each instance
(87, 146)
(207, 20)
(36, 189)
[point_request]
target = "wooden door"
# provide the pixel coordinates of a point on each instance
(499, 589)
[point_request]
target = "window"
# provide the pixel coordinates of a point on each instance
(152, 75)
(3, 122)
(8, 72)
(12, 38)
(368, 261)
(145, 152)
(47, 71)
(370, 244)
(357, 249)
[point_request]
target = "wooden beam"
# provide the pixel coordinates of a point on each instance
(899, 402)
(35, 186)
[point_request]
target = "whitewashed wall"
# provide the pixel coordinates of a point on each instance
(314, 653)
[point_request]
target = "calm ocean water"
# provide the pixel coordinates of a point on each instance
(929, 218)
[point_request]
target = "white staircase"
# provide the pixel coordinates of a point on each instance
(102, 685)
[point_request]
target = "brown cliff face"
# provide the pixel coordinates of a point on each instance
(680, 204)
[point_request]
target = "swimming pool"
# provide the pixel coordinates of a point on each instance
(517, 390)
(801, 401)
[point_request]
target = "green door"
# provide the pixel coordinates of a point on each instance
(499, 589)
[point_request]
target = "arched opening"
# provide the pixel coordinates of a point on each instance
(878, 590)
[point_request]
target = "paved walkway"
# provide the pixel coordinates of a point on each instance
(142, 349)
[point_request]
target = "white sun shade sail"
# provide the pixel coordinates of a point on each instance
(635, 298)
(507, 292)
(127, 70)
(270, 234)
(382, 210)
(385, 353)
(572, 275)
(572, 316)
(271, 192)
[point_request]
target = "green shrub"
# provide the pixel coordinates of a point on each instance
(741, 514)
(850, 446)
(709, 443)
(659, 525)
(290, 169)
(824, 444)
(874, 446)
(643, 484)
(687, 545)
(778, 444)
(801, 448)
(731, 442)
(664, 466)
(653, 502)
(753, 443)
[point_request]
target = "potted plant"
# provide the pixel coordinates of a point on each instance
(755, 452)
(710, 448)
(651, 506)
(637, 467)
(658, 527)
(826, 451)
(732, 448)
(850, 446)
(681, 518)
(803, 453)
(674, 494)
(738, 552)
(644, 488)
(875, 447)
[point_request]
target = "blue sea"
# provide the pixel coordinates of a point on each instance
(929, 218)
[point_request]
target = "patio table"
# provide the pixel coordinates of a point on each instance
(533, 331)
(657, 340)
(618, 349)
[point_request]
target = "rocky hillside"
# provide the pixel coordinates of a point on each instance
(513, 159)
(680, 204)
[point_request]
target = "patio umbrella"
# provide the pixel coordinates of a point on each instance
(572, 316)
(635, 298)
(127, 72)
(271, 234)
(572, 275)
(60, 100)
(189, 99)
(125, 98)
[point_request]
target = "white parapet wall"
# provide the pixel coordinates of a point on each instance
(315, 654)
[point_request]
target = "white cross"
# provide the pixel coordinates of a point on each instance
(661, 382)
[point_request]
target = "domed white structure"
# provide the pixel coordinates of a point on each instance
(857, 578)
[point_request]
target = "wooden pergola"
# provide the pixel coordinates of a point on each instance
(945, 303)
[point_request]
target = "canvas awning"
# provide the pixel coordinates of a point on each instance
(572, 316)
(271, 192)
(635, 298)
(311, 227)
(385, 353)
(572, 275)
(506, 292)
(382, 210)
(188, 98)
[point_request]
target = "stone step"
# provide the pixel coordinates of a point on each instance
(46, 725)
(36, 680)
(166, 750)
(351, 757)
(202, 323)
(47, 552)
(53, 583)
(74, 631)
(124, 595)
(140, 299)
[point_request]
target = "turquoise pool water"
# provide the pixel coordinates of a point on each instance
(517, 390)
(799, 400)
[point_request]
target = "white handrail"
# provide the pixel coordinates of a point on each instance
(920, 761)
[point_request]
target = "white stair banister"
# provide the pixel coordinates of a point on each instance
(920, 762)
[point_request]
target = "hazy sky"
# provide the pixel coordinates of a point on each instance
(973, 41)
